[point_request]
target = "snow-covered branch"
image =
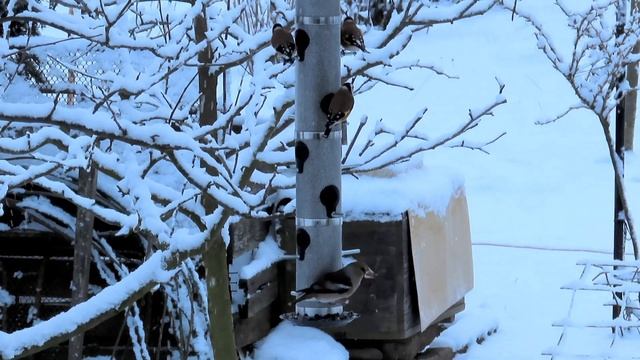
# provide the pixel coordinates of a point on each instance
(385, 147)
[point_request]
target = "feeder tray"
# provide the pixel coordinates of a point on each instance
(319, 321)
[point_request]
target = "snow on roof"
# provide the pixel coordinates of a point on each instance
(386, 196)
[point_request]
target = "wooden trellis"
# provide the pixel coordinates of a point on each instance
(622, 280)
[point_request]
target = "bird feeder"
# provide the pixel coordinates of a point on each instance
(318, 181)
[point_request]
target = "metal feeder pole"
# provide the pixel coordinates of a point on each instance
(319, 227)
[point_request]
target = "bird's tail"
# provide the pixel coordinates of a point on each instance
(300, 295)
(327, 128)
(360, 45)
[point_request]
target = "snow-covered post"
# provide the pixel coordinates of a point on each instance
(619, 217)
(318, 222)
(631, 99)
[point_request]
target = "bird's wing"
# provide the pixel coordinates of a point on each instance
(335, 282)
(351, 34)
(282, 41)
(355, 39)
(342, 102)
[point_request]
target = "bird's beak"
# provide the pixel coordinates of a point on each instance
(369, 274)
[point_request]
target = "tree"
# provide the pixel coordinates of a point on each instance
(174, 165)
(594, 68)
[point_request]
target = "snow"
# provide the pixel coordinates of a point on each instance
(415, 190)
(6, 299)
(290, 342)
(467, 328)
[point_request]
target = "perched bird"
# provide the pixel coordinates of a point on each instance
(350, 36)
(338, 285)
(282, 42)
(339, 107)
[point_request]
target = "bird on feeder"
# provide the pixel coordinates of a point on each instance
(351, 37)
(338, 285)
(339, 107)
(282, 42)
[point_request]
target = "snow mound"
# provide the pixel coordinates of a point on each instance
(467, 328)
(385, 197)
(290, 342)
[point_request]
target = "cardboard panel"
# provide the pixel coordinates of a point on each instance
(441, 251)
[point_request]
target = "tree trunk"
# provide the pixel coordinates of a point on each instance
(82, 253)
(630, 101)
(219, 307)
(215, 255)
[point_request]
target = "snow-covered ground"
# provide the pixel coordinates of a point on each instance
(541, 201)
